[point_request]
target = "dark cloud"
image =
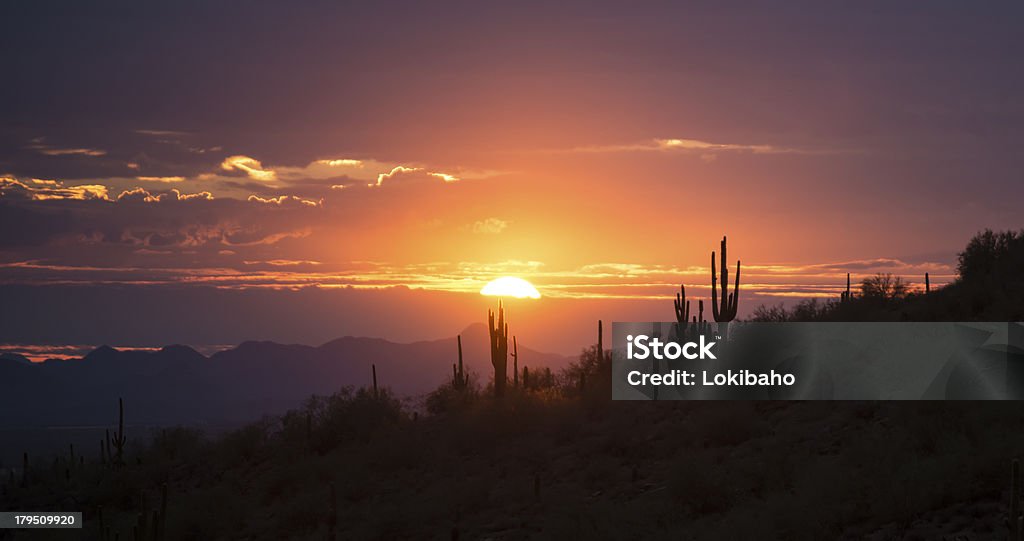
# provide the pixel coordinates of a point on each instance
(24, 226)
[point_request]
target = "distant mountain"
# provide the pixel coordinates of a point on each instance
(14, 358)
(179, 385)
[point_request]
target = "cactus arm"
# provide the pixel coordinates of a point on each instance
(714, 288)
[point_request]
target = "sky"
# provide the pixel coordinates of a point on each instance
(212, 172)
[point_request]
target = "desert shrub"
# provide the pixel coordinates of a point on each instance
(448, 398)
(349, 416)
(178, 443)
(246, 442)
(589, 374)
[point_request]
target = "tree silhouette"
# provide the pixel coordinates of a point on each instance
(991, 255)
(883, 287)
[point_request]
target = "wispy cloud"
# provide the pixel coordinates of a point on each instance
(250, 166)
(707, 150)
(594, 281)
(39, 145)
(161, 179)
(490, 226)
(161, 133)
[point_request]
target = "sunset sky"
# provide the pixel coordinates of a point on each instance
(212, 173)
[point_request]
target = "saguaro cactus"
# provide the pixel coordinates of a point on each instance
(515, 363)
(927, 284)
(682, 308)
(458, 373)
(119, 438)
(725, 312)
(499, 349)
(685, 326)
(846, 296)
(374, 380)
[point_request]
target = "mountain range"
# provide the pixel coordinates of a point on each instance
(178, 385)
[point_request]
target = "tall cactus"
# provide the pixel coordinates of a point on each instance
(458, 373)
(119, 439)
(682, 306)
(515, 363)
(375, 393)
(685, 326)
(726, 311)
(846, 296)
(499, 349)
(927, 284)
(699, 325)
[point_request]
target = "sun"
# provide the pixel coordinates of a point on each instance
(510, 286)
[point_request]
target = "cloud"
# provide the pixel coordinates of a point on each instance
(141, 194)
(42, 190)
(38, 144)
(250, 166)
(706, 150)
(161, 179)
(405, 174)
(162, 133)
(283, 262)
(284, 200)
(343, 162)
(490, 226)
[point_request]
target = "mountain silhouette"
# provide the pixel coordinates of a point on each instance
(179, 385)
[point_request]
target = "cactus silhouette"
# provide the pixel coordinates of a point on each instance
(149, 524)
(927, 283)
(685, 326)
(515, 363)
(499, 349)
(726, 311)
(846, 296)
(375, 394)
(119, 439)
(682, 306)
(458, 373)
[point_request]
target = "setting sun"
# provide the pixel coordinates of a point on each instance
(510, 286)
